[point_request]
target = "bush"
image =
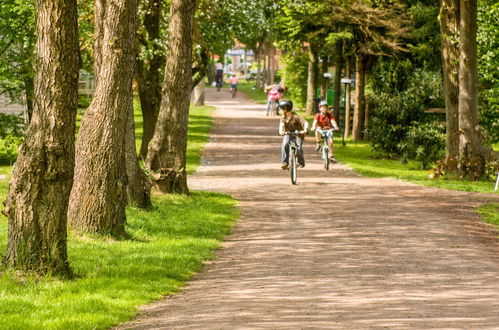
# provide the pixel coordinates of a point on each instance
(8, 149)
(11, 135)
(398, 105)
(295, 76)
(424, 143)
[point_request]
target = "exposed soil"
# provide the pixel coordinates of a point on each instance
(335, 251)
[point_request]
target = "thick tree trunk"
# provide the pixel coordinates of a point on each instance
(98, 198)
(166, 159)
(324, 80)
(358, 112)
(37, 201)
(147, 73)
(449, 27)
(348, 68)
(139, 185)
(471, 159)
(313, 66)
(199, 94)
(337, 80)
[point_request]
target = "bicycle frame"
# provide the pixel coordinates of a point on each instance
(292, 156)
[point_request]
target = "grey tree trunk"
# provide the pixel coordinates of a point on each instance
(98, 198)
(166, 158)
(139, 185)
(199, 94)
(147, 72)
(358, 112)
(258, 52)
(37, 201)
(324, 80)
(449, 27)
(471, 158)
(348, 68)
(337, 80)
(313, 66)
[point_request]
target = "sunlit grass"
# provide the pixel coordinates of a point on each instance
(167, 246)
(360, 157)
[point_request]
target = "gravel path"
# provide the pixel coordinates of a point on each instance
(336, 251)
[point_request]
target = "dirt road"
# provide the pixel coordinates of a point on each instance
(336, 251)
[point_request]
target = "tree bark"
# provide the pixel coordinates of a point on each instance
(147, 73)
(139, 185)
(311, 78)
(166, 159)
(348, 68)
(324, 80)
(199, 94)
(98, 198)
(358, 112)
(471, 158)
(258, 81)
(449, 27)
(337, 80)
(37, 201)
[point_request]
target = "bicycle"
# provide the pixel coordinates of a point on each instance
(233, 91)
(324, 148)
(293, 156)
(273, 108)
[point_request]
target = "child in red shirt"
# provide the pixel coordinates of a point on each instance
(324, 121)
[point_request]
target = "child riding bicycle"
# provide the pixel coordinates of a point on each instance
(324, 121)
(291, 122)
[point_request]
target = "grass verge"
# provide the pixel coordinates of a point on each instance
(169, 244)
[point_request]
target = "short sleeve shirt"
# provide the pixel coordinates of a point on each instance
(294, 123)
(324, 120)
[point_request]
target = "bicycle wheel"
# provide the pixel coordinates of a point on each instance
(272, 108)
(293, 165)
(325, 158)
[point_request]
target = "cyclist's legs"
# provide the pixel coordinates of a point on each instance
(318, 136)
(301, 158)
(285, 149)
(268, 106)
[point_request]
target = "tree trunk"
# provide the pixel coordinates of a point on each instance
(471, 159)
(37, 201)
(139, 185)
(311, 78)
(348, 68)
(358, 112)
(199, 94)
(337, 80)
(324, 80)
(271, 65)
(147, 73)
(98, 198)
(449, 27)
(258, 82)
(166, 159)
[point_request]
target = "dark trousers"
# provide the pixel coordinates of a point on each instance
(285, 149)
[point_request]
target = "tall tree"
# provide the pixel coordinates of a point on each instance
(149, 65)
(313, 71)
(166, 157)
(37, 200)
(98, 196)
(471, 158)
(449, 29)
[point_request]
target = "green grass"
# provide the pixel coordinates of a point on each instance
(248, 87)
(490, 214)
(364, 161)
(168, 245)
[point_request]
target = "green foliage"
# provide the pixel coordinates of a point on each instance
(424, 143)
(11, 135)
(295, 75)
(490, 214)
(488, 62)
(400, 95)
(17, 44)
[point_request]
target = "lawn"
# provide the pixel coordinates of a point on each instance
(168, 245)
